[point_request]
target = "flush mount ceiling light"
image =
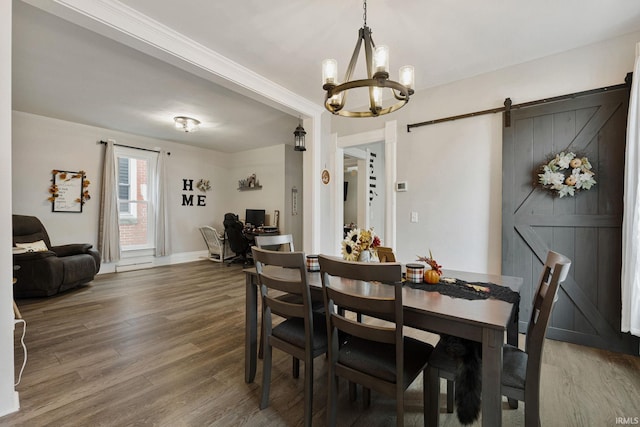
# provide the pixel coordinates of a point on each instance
(186, 124)
(377, 61)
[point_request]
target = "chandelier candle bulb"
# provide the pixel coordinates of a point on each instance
(377, 97)
(330, 72)
(381, 59)
(407, 76)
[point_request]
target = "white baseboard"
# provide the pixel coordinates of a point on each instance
(15, 407)
(143, 262)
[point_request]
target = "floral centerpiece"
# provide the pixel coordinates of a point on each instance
(360, 245)
(566, 173)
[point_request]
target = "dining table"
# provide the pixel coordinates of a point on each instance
(486, 321)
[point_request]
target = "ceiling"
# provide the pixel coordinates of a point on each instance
(65, 71)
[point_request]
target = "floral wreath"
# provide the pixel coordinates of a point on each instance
(203, 185)
(358, 241)
(53, 189)
(565, 174)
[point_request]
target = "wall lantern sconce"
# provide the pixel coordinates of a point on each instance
(299, 135)
(186, 124)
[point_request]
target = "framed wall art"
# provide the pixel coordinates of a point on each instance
(68, 191)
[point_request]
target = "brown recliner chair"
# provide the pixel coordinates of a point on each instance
(46, 273)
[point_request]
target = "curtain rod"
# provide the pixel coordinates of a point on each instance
(135, 148)
(508, 106)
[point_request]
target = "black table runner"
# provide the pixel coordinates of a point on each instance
(457, 288)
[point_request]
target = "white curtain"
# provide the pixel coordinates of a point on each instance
(109, 234)
(162, 243)
(631, 216)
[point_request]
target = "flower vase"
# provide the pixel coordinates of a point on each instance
(365, 256)
(368, 256)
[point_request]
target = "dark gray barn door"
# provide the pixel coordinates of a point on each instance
(586, 228)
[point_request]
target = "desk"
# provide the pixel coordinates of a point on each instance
(483, 321)
(251, 234)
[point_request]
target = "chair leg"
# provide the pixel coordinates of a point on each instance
(451, 390)
(432, 411)
(266, 376)
(425, 397)
(400, 410)
(532, 407)
(295, 370)
(332, 399)
(308, 390)
(513, 403)
(261, 342)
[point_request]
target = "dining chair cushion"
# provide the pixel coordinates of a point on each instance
(379, 360)
(514, 367)
(292, 331)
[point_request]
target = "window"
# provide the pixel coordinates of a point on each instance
(136, 175)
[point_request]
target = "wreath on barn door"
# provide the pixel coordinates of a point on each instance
(565, 174)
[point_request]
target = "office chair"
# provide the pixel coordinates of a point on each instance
(237, 240)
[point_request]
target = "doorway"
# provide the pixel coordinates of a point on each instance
(383, 166)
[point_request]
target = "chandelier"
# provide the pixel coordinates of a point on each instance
(377, 61)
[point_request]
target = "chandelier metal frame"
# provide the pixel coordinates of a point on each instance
(380, 79)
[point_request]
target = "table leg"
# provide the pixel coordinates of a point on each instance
(491, 377)
(251, 327)
(512, 339)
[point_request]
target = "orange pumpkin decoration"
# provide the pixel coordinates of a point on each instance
(431, 276)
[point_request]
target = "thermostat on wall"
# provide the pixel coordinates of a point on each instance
(401, 186)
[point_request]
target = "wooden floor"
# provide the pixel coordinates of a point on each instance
(164, 347)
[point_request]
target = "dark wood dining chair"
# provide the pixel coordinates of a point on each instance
(520, 368)
(303, 333)
(377, 357)
(281, 241)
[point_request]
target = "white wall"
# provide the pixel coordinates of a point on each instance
(454, 169)
(293, 178)
(41, 144)
(350, 204)
(268, 165)
(8, 396)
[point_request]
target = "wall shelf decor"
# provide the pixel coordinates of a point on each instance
(250, 183)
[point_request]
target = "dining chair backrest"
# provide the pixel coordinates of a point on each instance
(385, 254)
(294, 282)
(360, 358)
(304, 340)
(282, 241)
(389, 307)
(555, 271)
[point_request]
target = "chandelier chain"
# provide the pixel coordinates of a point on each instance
(364, 13)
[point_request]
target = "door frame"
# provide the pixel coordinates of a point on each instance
(389, 136)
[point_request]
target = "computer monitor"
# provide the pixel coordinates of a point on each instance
(254, 217)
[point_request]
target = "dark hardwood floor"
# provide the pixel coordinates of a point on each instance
(165, 347)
